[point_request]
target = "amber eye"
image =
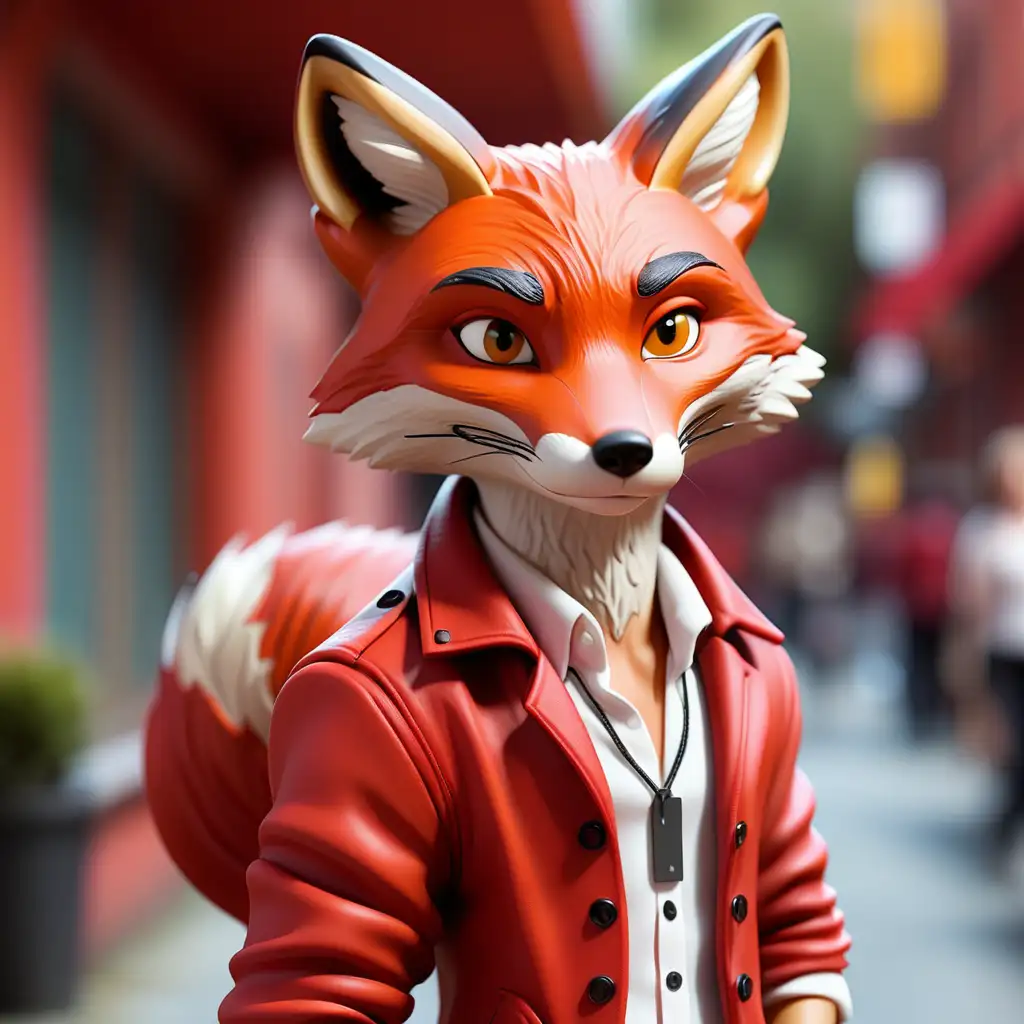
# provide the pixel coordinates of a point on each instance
(673, 335)
(495, 341)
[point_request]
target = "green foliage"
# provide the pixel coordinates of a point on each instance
(803, 257)
(42, 717)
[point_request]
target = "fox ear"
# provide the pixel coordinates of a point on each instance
(374, 144)
(713, 130)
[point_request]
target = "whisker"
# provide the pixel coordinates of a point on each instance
(699, 422)
(693, 483)
(481, 435)
(495, 441)
(702, 418)
(479, 455)
(691, 441)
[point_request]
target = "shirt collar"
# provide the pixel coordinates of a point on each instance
(567, 633)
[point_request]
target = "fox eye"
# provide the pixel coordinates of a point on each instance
(495, 341)
(674, 334)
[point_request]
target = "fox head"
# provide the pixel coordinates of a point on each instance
(576, 320)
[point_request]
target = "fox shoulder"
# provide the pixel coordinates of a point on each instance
(239, 629)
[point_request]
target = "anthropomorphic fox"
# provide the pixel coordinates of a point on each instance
(547, 747)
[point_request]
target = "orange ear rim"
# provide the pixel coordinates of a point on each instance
(749, 176)
(465, 162)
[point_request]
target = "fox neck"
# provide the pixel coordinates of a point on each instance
(607, 563)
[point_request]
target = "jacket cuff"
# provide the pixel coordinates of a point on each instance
(821, 986)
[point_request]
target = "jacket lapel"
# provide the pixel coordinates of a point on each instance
(551, 704)
(724, 678)
(464, 609)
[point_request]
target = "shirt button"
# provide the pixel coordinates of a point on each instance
(674, 981)
(744, 987)
(739, 908)
(670, 910)
(741, 833)
(603, 913)
(587, 638)
(600, 990)
(390, 599)
(592, 835)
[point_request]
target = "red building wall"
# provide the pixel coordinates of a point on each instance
(23, 51)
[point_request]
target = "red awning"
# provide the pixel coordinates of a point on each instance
(518, 72)
(978, 240)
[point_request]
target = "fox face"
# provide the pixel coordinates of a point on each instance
(579, 321)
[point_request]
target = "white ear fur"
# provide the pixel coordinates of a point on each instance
(402, 170)
(716, 155)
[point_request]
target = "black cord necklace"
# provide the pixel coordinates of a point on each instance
(666, 810)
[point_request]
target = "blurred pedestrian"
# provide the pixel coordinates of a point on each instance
(927, 529)
(987, 600)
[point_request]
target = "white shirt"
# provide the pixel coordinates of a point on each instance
(988, 561)
(571, 638)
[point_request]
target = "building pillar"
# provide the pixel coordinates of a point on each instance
(25, 43)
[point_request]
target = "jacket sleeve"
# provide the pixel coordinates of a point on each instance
(353, 856)
(802, 935)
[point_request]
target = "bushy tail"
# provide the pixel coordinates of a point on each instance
(231, 640)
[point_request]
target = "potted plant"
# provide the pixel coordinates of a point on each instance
(44, 827)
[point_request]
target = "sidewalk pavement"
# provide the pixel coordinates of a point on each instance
(937, 939)
(175, 972)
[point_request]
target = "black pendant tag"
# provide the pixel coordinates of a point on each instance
(667, 837)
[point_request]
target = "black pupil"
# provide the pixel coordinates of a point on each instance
(503, 334)
(667, 329)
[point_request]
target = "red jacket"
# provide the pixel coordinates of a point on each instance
(437, 799)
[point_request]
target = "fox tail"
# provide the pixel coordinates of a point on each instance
(231, 639)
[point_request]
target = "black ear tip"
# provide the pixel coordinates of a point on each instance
(334, 48)
(765, 23)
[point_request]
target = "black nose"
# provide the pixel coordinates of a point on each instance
(623, 452)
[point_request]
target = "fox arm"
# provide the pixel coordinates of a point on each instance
(342, 921)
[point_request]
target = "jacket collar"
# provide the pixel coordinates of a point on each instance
(730, 608)
(463, 608)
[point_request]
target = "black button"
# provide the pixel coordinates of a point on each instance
(741, 834)
(739, 908)
(442, 636)
(591, 835)
(670, 910)
(744, 987)
(390, 598)
(603, 913)
(674, 981)
(601, 989)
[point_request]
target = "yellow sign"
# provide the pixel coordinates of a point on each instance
(901, 58)
(874, 477)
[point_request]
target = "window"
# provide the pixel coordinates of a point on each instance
(115, 296)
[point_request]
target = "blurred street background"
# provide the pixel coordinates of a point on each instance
(165, 311)
(938, 937)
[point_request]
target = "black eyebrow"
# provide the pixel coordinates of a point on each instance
(518, 283)
(661, 272)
